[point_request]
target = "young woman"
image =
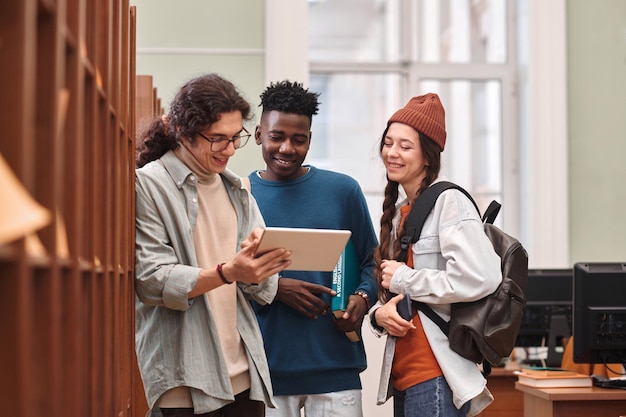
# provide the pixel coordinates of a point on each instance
(453, 261)
(199, 347)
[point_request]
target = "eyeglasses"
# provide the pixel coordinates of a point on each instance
(220, 143)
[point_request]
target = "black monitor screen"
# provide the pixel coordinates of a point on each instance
(548, 316)
(600, 313)
(549, 286)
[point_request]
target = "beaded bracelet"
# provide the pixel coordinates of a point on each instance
(364, 295)
(221, 274)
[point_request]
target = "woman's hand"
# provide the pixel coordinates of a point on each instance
(388, 318)
(388, 268)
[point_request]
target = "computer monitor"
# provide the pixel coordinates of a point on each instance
(600, 312)
(548, 316)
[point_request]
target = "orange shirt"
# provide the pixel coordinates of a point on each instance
(413, 359)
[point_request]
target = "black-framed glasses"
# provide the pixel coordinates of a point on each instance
(219, 143)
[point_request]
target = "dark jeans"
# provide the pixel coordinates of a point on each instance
(243, 406)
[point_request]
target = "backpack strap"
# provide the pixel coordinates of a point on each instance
(492, 212)
(413, 226)
(434, 317)
(420, 210)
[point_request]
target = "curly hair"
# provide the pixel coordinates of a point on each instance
(198, 104)
(290, 97)
(389, 246)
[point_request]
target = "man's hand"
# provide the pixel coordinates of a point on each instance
(303, 296)
(352, 318)
(250, 269)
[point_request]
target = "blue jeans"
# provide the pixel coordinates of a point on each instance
(432, 398)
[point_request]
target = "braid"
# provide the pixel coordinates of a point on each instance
(386, 227)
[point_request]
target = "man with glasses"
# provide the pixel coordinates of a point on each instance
(312, 363)
(199, 347)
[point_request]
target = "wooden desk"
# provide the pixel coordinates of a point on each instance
(572, 402)
(508, 402)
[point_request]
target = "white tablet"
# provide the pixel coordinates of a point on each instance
(311, 249)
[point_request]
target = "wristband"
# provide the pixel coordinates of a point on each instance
(374, 323)
(221, 274)
(366, 297)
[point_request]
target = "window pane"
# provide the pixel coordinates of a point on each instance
(345, 133)
(473, 152)
(354, 30)
(455, 31)
(460, 31)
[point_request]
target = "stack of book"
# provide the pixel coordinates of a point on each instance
(552, 377)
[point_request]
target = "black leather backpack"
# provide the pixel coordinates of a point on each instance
(483, 331)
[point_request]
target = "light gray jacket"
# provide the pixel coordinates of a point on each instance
(454, 261)
(176, 338)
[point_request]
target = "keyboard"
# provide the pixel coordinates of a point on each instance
(601, 381)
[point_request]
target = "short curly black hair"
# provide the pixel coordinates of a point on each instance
(290, 97)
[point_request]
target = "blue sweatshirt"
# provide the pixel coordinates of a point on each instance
(310, 356)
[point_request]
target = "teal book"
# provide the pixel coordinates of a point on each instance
(346, 278)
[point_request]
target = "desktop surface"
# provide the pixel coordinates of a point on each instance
(572, 402)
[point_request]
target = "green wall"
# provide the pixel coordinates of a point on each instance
(197, 26)
(596, 52)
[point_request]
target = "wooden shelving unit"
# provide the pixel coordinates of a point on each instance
(67, 131)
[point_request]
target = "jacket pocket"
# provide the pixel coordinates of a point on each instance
(427, 245)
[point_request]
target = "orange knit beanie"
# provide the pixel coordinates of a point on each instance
(426, 115)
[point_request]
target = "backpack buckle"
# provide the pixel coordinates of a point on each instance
(405, 242)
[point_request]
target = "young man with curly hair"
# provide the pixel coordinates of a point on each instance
(199, 347)
(312, 363)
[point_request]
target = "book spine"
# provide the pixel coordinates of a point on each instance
(338, 301)
(346, 278)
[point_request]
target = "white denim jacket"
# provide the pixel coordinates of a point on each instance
(453, 261)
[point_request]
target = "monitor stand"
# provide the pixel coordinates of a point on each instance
(559, 330)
